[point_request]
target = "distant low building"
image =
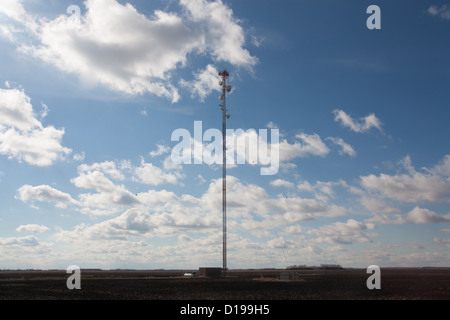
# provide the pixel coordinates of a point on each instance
(322, 267)
(331, 267)
(300, 267)
(210, 272)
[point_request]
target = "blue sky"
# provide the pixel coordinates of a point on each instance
(88, 106)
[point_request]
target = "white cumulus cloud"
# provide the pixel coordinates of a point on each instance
(419, 215)
(114, 45)
(45, 193)
(344, 232)
(205, 82)
(33, 228)
(412, 186)
(23, 136)
(220, 32)
(307, 144)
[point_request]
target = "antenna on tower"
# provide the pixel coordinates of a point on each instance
(225, 89)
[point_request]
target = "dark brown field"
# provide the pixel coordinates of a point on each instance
(410, 284)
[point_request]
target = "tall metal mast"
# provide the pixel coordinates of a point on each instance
(225, 88)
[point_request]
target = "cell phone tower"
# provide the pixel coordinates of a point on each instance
(225, 116)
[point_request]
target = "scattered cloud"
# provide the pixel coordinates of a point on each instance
(132, 222)
(160, 151)
(108, 167)
(441, 169)
(257, 41)
(122, 56)
(44, 112)
(307, 144)
(385, 196)
(419, 216)
(413, 186)
(305, 186)
(150, 174)
(322, 191)
(13, 9)
(205, 82)
(114, 45)
(162, 213)
(279, 243)
(200, 179)
(442, 242)
(110, 198)
(79, 156)
(22, 135)
(45, 193)
(293, 230)
(348, 232)
(312, 144)
(345, 147)
(16, 110)
(361, 125)
(33, 228)
(443, 12)
(29, 241)
(282, 183)
(376, 204)
(221, 32)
